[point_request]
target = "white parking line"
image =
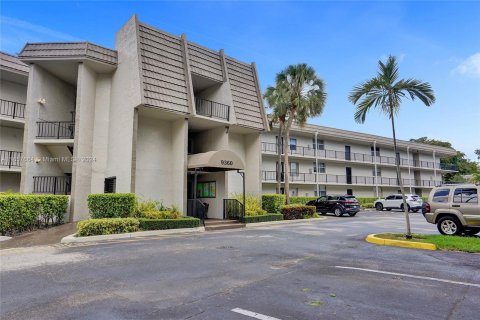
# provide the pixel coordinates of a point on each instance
(411, 276)
(253, 314)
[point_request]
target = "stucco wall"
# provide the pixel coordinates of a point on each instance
(11, 138)
(9, 181)
(13, 91)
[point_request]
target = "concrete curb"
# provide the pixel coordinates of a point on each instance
(4, 238)
(72, 239)
(372, 238)
(273, 223)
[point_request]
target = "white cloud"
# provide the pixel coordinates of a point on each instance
(469, 66)
(15, 33)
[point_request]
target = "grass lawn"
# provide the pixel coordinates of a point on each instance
(452, 243)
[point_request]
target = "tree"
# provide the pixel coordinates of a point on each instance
(275, 101)
(300, 94)
(477, 152)
(386, 92)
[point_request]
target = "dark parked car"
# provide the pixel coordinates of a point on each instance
(338, 205)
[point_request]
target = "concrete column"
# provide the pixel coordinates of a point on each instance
(316, 163)
(253, 164)
(434, 167)
(82, 149)
(375, 166)
(188, 76)
(179, 163)
(409, 170)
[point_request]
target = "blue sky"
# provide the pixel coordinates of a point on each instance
(437, 42)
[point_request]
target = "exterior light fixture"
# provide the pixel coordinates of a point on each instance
(42, 101)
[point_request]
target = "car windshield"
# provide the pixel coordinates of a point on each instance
(415, 198)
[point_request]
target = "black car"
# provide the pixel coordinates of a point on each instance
(338, 205)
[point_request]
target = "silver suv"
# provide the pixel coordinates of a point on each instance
(454, 209)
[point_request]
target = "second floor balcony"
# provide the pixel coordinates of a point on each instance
(323, 178)
(212, 109)
(12, 109)
(10, 159)
(55, 129)
(309, 151)
(52, 184)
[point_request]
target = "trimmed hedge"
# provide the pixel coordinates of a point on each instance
(272, 202)
(297, 211)
(163, 224)
(94, 227)
(21, 212)
(112, 205)
(263, 218)
(301, 200)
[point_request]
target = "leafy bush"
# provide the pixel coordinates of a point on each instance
(162, 224)
(155, 214)
(262, 218)
(93, 227)
(297, 211)
(112, 205)
(364, 200)
(368, 205)
(21, 212)
(301, 200)
(253, 205)
(272, 202)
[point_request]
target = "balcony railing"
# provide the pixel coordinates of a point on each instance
(271, 176)
(10, 159)
(212, 109)
(445, 166)
(52, 184)
(15, 110)
(55, 129)
(309, 151)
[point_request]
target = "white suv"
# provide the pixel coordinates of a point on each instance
(394, 201)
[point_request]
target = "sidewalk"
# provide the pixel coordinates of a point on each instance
(40, 237)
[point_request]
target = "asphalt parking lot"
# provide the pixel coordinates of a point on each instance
(314, 270)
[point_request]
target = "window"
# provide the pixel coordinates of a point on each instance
(321, 167)
(350, 192)
(372, 153)
(294, 168)
(322, 192)
(379, 171)
(281, 145)
(109, 185)
(398, 197)
(293, 144)
(465, 195)
(441, 195)
(390, 198)
(320, 144)
(294, 192)
(207, 189)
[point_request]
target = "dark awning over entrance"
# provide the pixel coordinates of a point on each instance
(221, 160)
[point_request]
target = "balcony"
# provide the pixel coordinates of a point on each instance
(52, 184)
(55, 129)
(212, 109)
(10, 159)
(308, 151)
(11, 109)
(271, 176)
(449, 167)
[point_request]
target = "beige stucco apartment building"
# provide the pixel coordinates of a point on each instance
(172, 121)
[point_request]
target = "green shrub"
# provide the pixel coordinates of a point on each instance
(93, 227)
(272, 202)
(161, 214)
(21, 212)
(364, 200)
(253, 204)
(262, 218)
(301, 200)
(162, 224)
(112, 205)
(297, 211)
(368, 205)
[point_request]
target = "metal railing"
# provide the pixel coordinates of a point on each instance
(12, 109)
(271, 176)
(56, 129)
(212, 109)
(233, 209)
(52, 184)
(445, 166)
(196, 209)
(10, 158)
(309, 151)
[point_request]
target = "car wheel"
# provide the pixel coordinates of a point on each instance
(338, 212)
(449, 226)
(352, 214)
(379, 207)
(471, 232)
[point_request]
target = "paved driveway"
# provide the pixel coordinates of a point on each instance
(316, 270)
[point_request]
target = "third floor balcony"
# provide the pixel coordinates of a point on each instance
(212, 109)
(55, 129)
(12, 110)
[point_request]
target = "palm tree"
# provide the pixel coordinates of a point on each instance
(386, 93)
(301, 95)
(275, 101)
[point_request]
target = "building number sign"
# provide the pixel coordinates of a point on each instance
(226, 162)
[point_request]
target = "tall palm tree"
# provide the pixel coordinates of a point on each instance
(303, 96)
(386, 92)
(275, 101)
